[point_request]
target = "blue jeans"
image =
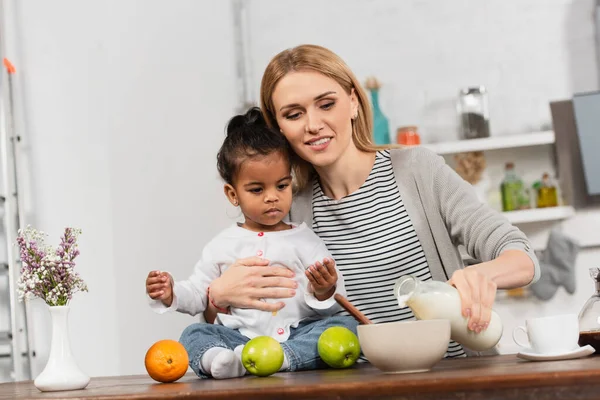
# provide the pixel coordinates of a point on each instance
(300, 348)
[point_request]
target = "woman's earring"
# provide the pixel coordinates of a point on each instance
(355, 115)
(235, 203)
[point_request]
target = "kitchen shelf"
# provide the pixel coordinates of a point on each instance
(539, 214)
(492, 143)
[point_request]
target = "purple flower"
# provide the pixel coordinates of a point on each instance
(49, 273)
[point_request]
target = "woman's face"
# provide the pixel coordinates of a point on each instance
(315, 114)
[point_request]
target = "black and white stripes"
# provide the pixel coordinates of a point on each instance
(372, 239)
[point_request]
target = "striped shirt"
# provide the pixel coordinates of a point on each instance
(373, 241)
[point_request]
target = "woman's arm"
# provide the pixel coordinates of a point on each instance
(512, 269)
(485, 233)
(508, 260)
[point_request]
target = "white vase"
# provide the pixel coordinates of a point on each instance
(61, 371)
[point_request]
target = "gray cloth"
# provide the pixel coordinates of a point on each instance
(557, 264)
(445, 212)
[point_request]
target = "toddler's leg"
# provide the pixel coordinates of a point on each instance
(226, 364)
(301, 348)
(210, 350)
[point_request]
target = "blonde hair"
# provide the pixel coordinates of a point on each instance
(309, 57)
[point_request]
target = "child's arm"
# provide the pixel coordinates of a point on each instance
(324, 279)
(188, 296)
(159, 286)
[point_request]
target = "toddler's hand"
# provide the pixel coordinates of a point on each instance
(159, 286)
(323, 278)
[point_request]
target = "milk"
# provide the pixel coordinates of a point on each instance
(402, 300)
(437, 305)
(438, 300)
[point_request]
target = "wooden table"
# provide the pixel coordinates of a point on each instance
(498, 377)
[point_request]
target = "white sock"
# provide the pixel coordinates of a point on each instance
(238, 351)
(286, 363)
(208, 357)
(227, 364)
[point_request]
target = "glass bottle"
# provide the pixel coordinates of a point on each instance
(381, 126)
(438, 300)
(474, 113)
(546, 192)
(589, 317)
(511, 189)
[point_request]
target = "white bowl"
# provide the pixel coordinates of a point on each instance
(406, 346)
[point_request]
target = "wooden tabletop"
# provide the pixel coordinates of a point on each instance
(497, 377)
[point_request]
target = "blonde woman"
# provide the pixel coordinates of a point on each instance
(382, 213)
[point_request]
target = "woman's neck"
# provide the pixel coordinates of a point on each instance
(348, 173)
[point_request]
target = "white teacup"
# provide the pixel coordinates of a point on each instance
(554, 334)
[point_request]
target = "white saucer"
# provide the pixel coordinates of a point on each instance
(529, 354)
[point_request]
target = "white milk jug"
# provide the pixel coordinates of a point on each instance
(438, 300)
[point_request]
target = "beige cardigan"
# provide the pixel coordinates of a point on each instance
(445, 212)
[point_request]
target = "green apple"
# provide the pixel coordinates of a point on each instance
(262, 356)
(338, 347)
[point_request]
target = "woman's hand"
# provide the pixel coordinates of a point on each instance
(249, 280)
(477, 284)
(477, 293)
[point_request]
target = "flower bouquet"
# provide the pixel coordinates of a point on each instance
(48, 273)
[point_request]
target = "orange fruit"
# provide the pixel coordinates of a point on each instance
(166, 361)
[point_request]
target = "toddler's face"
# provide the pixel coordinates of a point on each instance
(263, 189)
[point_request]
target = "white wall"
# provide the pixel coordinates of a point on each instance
(62, 66)
(126, 104)
(526, 52)
(174, 96)
(126, 101)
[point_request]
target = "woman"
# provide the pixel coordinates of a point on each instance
(382, 213)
